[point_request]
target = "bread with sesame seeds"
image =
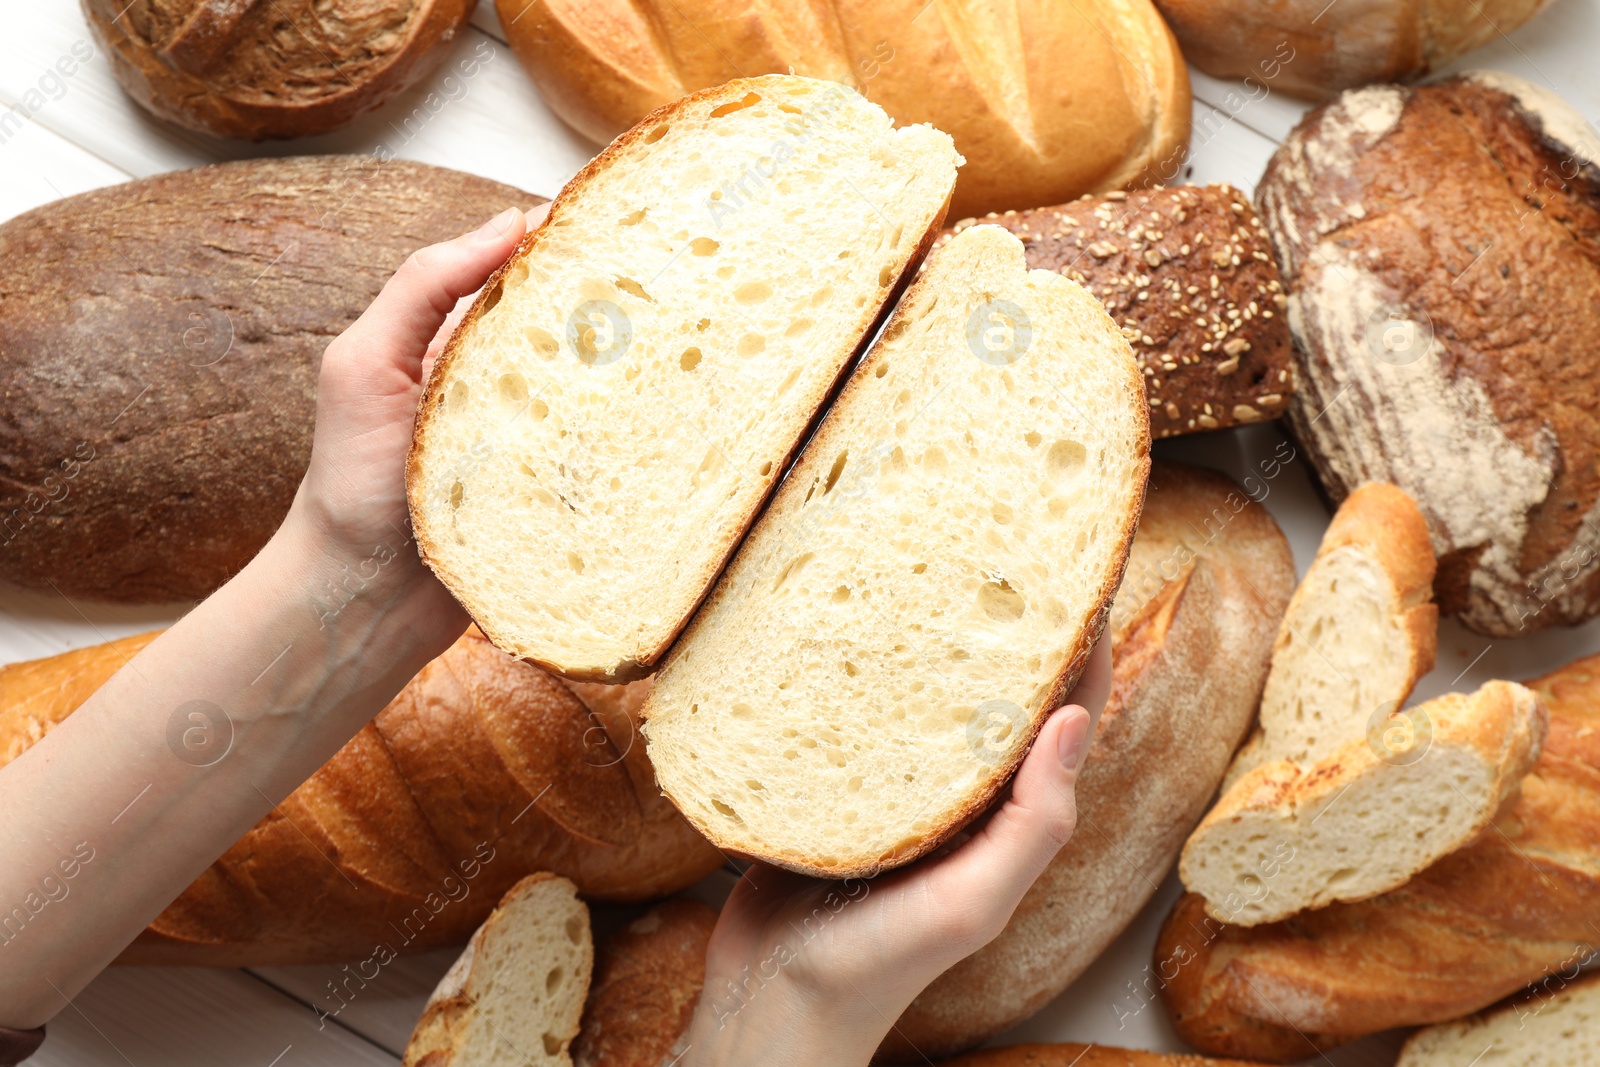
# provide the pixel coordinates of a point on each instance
(1187, 272)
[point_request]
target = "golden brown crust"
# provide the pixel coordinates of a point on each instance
(230, 69)
(224, 284)
(482, 770)
(647, 981)
(1015, 95)
(429, 402)
(1310, 49)
(1421, 231)
(1071, 1054)
(1207, 580)
(1141, 252)
(1511, 909)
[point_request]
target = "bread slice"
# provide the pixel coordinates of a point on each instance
(1557, 1022)
(1360, 631)
(927, 584)
(516, 994)
(614, 409)
(1363, 820)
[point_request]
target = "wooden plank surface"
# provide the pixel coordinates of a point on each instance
(480, 113)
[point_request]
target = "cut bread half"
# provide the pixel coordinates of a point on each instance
(1558, 1021)
(1362, 821)
(927, 584)
(516, 994)
(618, 403)
(1360, 631)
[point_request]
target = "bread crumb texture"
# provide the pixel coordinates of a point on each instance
(629, 387)
(886, 643)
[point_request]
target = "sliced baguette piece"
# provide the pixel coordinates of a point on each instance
(618, 403)
(1424, 783)
(1558, 1021)
(516, 993)
(1360, 631)
(927, 584)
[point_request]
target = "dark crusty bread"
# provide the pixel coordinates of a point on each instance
(1076, 1055)
(1188, 275)
(647, 981)
(161, 341)
(262, 69)
(1192, 629)
(1441, 246)
(480, 771)
(1516, 907)
(1312, 48)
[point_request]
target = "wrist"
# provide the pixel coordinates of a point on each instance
(781, 1022)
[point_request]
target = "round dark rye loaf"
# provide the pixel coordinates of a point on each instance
(159, 345)
(1188, 275)
(1192, 628)
(1441, 246)
(271, 68)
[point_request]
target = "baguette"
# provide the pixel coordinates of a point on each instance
(647, 981)
(1074, 1055)
(162, 340)
(479, 772)
(1046, 101)
(1475, 396)
(1557, 1024)
(1188, 275)
(236, 70)
(927, 585)
(1365, 819)
(535, 942)
(1191, 629)
(1514, 908)
(590, 434)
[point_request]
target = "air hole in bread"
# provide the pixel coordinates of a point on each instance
(516, 274)
(742, 711)
(841, 594)
(656, 134)
(457, 398)
(635, 218)
(553, 980)
(725, 809)
(1065, 459)
(725, 272)
(1002, 514)
(797, 327)
(543, 342)
(491, 298)
(538, 409)
(791, 109)
(457, 491)
(575, 561)
(883, 368)
(1000, 602)
(748, 100)
(633, 288)
(821, 295)
(834, 472)
(752, 292)
(552, 1045)
(750, 344)
(702, 325)
(690, 359)
(765, 469)
(885, 275)
(513, 391)
(1032, 438)
(703, 246)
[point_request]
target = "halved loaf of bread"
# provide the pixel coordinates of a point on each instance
(1558, 1021)
(619, 402)
(1360, 630)
(927, 584)
(516, 994)
(1423, 783)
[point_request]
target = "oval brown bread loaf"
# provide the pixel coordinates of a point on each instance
(1188, 275)
(1045, 101)
(647, 981)
(160, 345)
(1192, 629)
(480, 771)
(262, 69)
(1517, 907)
(1441, 246)
(1312, 48)
(1075, 1055)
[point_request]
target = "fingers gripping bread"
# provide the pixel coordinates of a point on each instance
(621, 399)
(1517, 906)
(516, 994)
(927, 584)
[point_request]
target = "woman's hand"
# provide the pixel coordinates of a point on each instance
(813, 973)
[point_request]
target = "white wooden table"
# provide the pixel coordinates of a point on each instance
(90, 135)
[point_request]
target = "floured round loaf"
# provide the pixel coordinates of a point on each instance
(927, 584)
(623, 396)
(1441, 247)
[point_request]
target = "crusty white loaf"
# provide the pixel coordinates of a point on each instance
(926, 586)
(1557, 1022)
(516, 993)
(1441, 247)
(613, 411)
(1192, 629)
